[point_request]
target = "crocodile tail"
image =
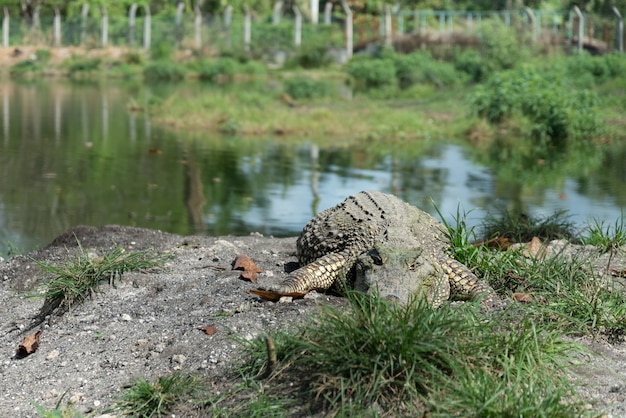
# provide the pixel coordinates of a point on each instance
(318, 275)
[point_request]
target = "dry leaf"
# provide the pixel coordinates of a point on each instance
(249, 275)
(155, 151)
(275, 296)
(29, 345)
(536, 249)
(243, 262)
(209, 330)
(522, 297)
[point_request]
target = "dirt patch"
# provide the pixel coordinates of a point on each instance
(151, 323)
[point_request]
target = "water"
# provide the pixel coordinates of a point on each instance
(75, 154)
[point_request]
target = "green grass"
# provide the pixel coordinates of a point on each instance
(606, 237)
(379, 358)
(76, 280)
(157, 398)
(520, 227)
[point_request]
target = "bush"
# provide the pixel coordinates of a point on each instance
(554, 109)
(164, 70)
(305, 88)
(224, 67)
(500, 47)
(43, 55)
(83, 65)
(372, 72)
(25, 67)
(471, 63)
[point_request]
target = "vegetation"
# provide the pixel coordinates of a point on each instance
(155, 399)
(73, 282)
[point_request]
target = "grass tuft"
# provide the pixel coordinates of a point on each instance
(76, 280)
(606, 237)
(379, 357)
(150, 399)
(520, 227)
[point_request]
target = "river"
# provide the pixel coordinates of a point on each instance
(82, 153)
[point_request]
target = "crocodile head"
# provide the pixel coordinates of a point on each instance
(401, 274)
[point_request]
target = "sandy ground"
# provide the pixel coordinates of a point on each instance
(149, 324)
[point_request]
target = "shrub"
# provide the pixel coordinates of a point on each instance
(83, 65)
(471, 63)
(372, 72)
(421, 67)
(164, 70)
(554, 110)
(43, 55)
(25, 67)
(224, 67)
(305, 88)
(499, 45)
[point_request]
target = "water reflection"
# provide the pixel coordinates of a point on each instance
(75, 154)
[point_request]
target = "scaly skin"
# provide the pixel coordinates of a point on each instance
(375, 240)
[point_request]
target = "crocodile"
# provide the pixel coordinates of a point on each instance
(376, 241)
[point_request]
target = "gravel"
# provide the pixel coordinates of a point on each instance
(150, 324)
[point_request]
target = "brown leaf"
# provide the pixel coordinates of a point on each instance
(155, 151)
(275, 296)
(243, 262)
(249, 275)
(210, 330)
(29, 345)
(522, 297)
(536, 249)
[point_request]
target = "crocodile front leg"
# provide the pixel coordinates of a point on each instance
(321, 274)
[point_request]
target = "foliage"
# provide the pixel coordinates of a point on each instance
(164, 70)
(500, 47)
(390, 69)
(372, 72)
(520, 227)
(606, 237)
(149, 399)
(470, 62)
(83, 65)
(303, 87)
(224, 68)
(26, 67)
(412, 360)
(74, 281)
(555, 111)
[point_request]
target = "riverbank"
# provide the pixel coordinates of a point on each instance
(154, 323)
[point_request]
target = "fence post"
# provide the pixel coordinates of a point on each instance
(297, 36)
(146, 27)
(278, 7)
(581, 27)
(388, 34)
(533, 22)
(56, 32)
(197, 23)
(105, 27)
(36, 22)
(228, 20)
(620, 30)
(132, 14)
(83, 23)
(315, 11)
(328, 9)
(349, 33)
(179, 22)
(247, 27)
(5, 28)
